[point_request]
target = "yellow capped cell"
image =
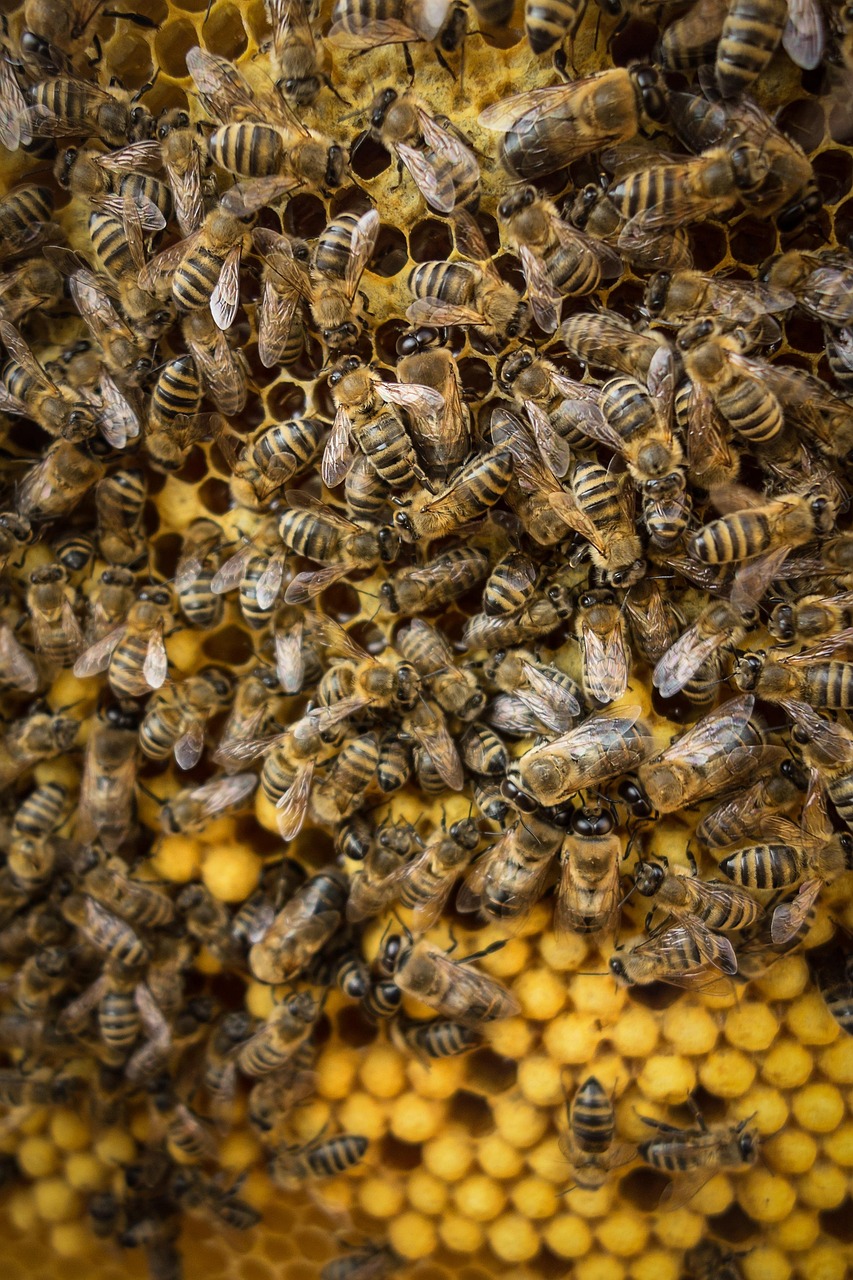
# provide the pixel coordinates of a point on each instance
(517, 1121)
(690, 1029)
(510, 1038)
(787, 1065)
(459, 1233)
(257, 1189)
(260, 999)
(592, 994)
(177, 859)
(598, 1267)
(715, 1197)
(667, 1078)
(84, 1172)
(238, 1150)
(426, 1193)
(441, 1079)
(22, 1209)
(679, 1228)
(513, 1238)
(414, 1119)
(497, 1157)
(449, 1155)
(479, 1197)
(824, 1262)
(310, 1118)
(35, 1122)
(266, 812)
(623, 1233)
(184, 650)
(655, 1264)
(766, 1109)
(336, 1195)
(380, 1197)
(509, 960)
(38, 1157)
(541, 992)
(787, 978)
(56, 1201)
(383, 1071)
(534, 1198)
(359, 1113)
(539, 1081)
(635, 1035)
(810, 1021)
(548, 1161)
(765, 1263)
(750, 1026)
(231, 872)
(69, 1130)
(596, 1203)
(798, 1231)
(335, 1069)
(568, 1236)
(839, 1145)
(115, 1147)
(564, 954)
(791, 1151)
(572, 1037)
(818, 1107)
(836, 1062)
(727, 1073)
(765, 1196)
(71, 1240)
(823, 1187)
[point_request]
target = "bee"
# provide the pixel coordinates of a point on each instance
(813, 675)
(424, 884)
(691, 41)
(324, 1159)
(828, 746)
(113, 185)
(455, 689)
(285, 286)
(835, 982)
(548, 25)
(298, 53)
(16, 534)
(605, 655)
(510, 585)
(745, 815)
(133, 654)
(301, 928)
(367, 416)
(105, 931)
(124, 354)
(683, 955)
(222, 369)
(54, 38)
(558, 260)
(444, 170)
(443, 441)
(360, 681)
(714, 360)
(451, 987)
(375, 883)
(175, 718)
(24, 219)
(280, 1038)
(757, 524)
(75, 552)
(436, 757)
(712, 1261)
(41, 814)
(679, 297)
(261, 468)
(475, 488)
(341, 792)
(697, 1154)
(340, 256)
(136, 901)
(530, 379)
(425, 587)
(320, 532)
(184, 155)
(509, 879)
(589, 1145)
(819, 282)
(274, 1095)
(720, 751)
(219, 1071)
(63, 104)
(605, 505)
(117, 239)
(252, 714)
(197, 565)
(27, 391)
(467, 293)
(32, 286)
(394, 765)
(547, 129)
(607, 340)
(119, 501)
(595, 213)
(189, 809)
(369, 1261)
(109, 602)
(719, 906)
(588, 892)
(22, 1089)
(204, 268)
(542, 690)
(41, 980)
(748, 40)
(533, 623)
(288, 769)
(56, 631)
(55, 485)
(38, 735)
(720, 624)
(359, 24)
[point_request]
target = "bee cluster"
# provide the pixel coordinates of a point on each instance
(378, 603)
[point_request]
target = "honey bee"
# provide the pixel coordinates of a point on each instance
(442, 441)
(475, 488)
(532, 380)
(424, 884)
(175, 718)
(291, 1166)
(197, 565)
(509, 879)
(110, 602)
(62, 105)
(533, 623)
(779, 793)
(747, 43)
(189, 809)
(38, 735)
(342, 790)
(136, 901)
(719, 906)
(75, 551)
(813, 675)
(697, 1154)
(56, 631)
(451, 987)
(546, 129)
(375, 883)
(828, 746)
(274, 1095)
(436, 757)
(819, 282)
(340, 256)
(589, 1145)
(252, 714)
(133, 654)
(264, 465)
(105, 931)
(483, 752)
(757, 524)
(320, 532)
(119, 501)
(361, 24)
(467, 293)
(298, 53)
(22, 1089)
(184, 155)
(692, 39)
(16, 534)
(544, 691)
(222, 369)
(184, 1133)
(714, 360)
(41, 980)
(41, 813)
(721, 623)
(288, 770)
(712, 1261)
(605, 654)
(257, 570)
(425, 587)
(280, 1038)
(55, 37)
(686, 954)
(835, 981)
(124, 355)
(678, 297)
(510, 585)
(27, 391)
(394, 765)
(300, 929)
(285, 286)
(557, 259)
(24, 219)
(61, 479)
(32, 285)
(720, 751)
(606, 339)
(455, 689)
(444, 169)
(588, 892)
(435, 1039)
(204, 268)
(19, 670)
(113, 185)
(605, 505)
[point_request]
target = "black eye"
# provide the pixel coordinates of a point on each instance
(819, 506)
(512, 330)
(335, 379)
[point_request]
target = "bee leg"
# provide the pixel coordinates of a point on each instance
(329, 85)
(442, 62)
(410, 66)
(399, 182)
(561, 63)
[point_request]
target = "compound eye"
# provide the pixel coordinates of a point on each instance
(512, 330)
(819, 506)
(407, 345)
(335, 378)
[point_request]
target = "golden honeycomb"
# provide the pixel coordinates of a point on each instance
(463, 1176)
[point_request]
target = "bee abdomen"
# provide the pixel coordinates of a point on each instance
(253, 150)
(764, 866)
(196, 279)
(733, 538)
(337, 1155)
(751, 33)
(829, 684)
(547, 24)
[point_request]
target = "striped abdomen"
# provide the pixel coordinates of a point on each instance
(253, 150)
(308, 536)
(332, 251)
(751, 34)
(596, 493)
(110, 244)
(828, 684)
(177, 391)
(547, 24)
(453, 282)
(383, 440)
(764, 866)
(736, 537)
(196, 278)
(592, 1117)
(751, 410)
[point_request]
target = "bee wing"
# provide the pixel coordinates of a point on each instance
(136, 157)
(310, 584)
(832, 739)
(440, 649)
(545, 298)
(286, 17)
(224, 793)
(156, 663)
(609, 261)
(570, 917)
(435, 312)
(752, 581)
(225, 90)
(252, 194)
(825, 648)
(14, 128)
(365, 32)
(804, 37)
(363, 243)
(789, 917)
(328, 717)
(118, 420)
(606, 664)
(186, 193)
(593, 422)
(714, 893)
(166, 263)
(449, 424)
(20, 351)
(441, 749)
(713, 947)
(551, 694)
(411, 395)
(707, 437)
(11, 404)
(17, 666)
(338, 641)
(468, 986)
(229, 574)
(508, 114)
(225, 298)
(275, 318)
(190, 746)
(683, 659)
(223, 374)
(96, 658)
(289, 662)
(470, 895)
(432, 180)
(247, 748)
(293, 805)
(686, 1186)
(269, 583)
(338, 453)
(815, 819)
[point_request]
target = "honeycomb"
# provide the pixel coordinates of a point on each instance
(464, 1175)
